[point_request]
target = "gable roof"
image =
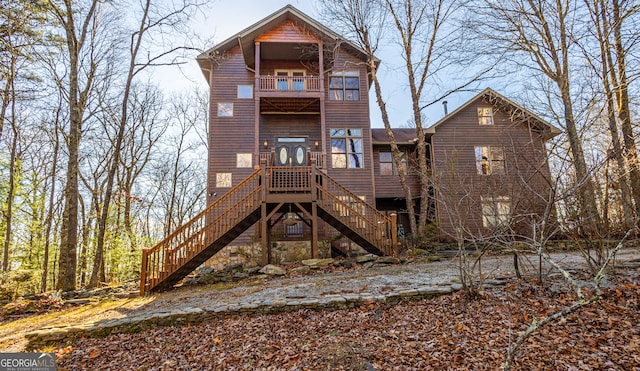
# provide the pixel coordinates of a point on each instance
(245, 38)
(514, 109)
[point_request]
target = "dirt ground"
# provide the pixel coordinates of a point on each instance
(448, 332)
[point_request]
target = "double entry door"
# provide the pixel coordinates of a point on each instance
(291, 151)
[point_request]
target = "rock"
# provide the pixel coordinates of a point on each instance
(317, 262)
(365, 258)
(273, 270)
(456, 286)
(368, 265)
(346, 263)
(204, 270)
(253, 270)
(234, 268)
(302, 269)
(388, 260)
(495, 282)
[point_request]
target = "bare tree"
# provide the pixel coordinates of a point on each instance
(152, 20)
(541, 33)
(365, 21)
(610, 21)
(77, 33)
(177, 172)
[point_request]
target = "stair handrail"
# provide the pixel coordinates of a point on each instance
(386, 240)
(155, 257)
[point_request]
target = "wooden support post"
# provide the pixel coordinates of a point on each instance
(394, 233)
(314, 209)
(314, 230)
(143, 271)
(265, 234)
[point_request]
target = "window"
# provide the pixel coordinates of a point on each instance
(243, 160)
(292, 225)
(485, 116)
(245, 91)
(223, 180)
(496, 211)
(225, 109)
(290, 80)
(344, 86)
(387, 166)
(346, 148)
(490, 160)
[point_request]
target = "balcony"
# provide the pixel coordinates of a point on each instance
(290, 86)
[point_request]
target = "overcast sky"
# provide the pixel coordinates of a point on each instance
(224, 18)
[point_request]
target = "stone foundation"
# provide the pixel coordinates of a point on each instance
(282, 252)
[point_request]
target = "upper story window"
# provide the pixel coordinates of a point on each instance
(290, 80)
(245, 91)
(225, 109)
(387, 166)
(490, 160)
(344, 85)
(346, 148)
(485, 116)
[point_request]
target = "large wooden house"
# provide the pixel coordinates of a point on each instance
(295, 165)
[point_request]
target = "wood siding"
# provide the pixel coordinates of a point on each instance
(351, 114)
(388, 186)
(459, 185)
(229, 136)
(288, 31)
(274, 126)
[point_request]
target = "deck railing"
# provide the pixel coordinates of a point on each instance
(288, 179)
(290, 83)
(316, 156)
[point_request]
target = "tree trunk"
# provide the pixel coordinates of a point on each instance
(605, 62)
(49, 219)
(585, 189)
(10, 194)
(77, 102)
(97, 273)
(395, 151)
(622, 98)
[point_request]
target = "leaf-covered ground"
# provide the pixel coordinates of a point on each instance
(449, 332)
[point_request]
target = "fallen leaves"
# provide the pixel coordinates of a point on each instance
(443, 333)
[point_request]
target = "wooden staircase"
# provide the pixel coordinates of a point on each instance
(260, 196)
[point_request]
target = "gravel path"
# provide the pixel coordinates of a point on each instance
(376, 280)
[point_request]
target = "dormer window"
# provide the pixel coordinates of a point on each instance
(485, 116)
(344, 85)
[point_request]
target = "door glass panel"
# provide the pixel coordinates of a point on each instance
(283, 155)
(300, 155)
(291, 140)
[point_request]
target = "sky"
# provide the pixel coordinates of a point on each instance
(222, 19)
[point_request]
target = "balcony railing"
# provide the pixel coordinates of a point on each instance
(290, 83)
(312, 155)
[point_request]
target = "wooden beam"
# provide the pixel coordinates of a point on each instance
(265, 235)
(314, 230)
